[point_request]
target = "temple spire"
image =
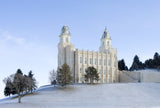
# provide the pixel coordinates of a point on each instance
(105, 28)
(106, 34)
(65, 31)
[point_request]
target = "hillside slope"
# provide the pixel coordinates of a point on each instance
(135, 95)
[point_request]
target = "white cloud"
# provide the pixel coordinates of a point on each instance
(6, 36)
(27, 54)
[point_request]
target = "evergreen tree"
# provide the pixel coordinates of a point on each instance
(26, 83)
(31, 82)
(137, 64)
(7, 91)
(156, 60)
(149, 64)
(121, 65)
(91, 75)
(54, 82)
(64, 75)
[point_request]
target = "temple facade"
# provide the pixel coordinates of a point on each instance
(105, 60)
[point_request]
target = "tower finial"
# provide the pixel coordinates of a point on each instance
(105, 27)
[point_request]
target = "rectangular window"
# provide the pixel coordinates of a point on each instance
(80, 59)
(109, 62)
(90, 60)
(108, 80)
(60, 61)
(80, 70)
(95, 61)
(99, 71)
(115, 64)
(85, 60)
(104, 71)
(85, 70)
(72, 70)
(100, 61)
(108, 43)
(109, 72)
(66, 60)
(115, 73)
(72, 60)
(104, 80)
(104, 61)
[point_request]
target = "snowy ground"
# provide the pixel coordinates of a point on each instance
(121, 95)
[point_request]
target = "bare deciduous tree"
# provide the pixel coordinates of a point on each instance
(52, 77)
(18, 83)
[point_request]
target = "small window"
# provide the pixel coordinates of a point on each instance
(104, 61)
(72, 70)
(104, 71)
(103, 43)
(85, 70)
(60, 61)
(100, 61)
(80, 59)
(115, 73)
(108, 80)
(80, 70)
(109, 62)
(59, 51)
(72, 60)
(99, 71)
(95, 61)
(67, 39)
(90, 60)
(108, 43)
(66, 60)
(115, 64)
(109, 72)
(85, 60)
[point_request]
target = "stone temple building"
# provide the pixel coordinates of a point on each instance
(105, 61)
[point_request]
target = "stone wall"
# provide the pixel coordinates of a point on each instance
(139, 76)
(127, 77)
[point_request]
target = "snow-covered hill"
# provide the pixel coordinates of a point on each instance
(131, 95)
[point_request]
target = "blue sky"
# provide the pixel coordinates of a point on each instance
(29, 31)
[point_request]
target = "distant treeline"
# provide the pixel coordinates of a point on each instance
(138, 65)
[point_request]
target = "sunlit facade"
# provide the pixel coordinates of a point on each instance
(105, 61)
